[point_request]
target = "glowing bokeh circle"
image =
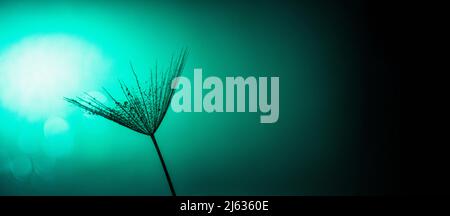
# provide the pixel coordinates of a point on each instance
(38, 71)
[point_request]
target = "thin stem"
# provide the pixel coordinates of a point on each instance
(172, 190)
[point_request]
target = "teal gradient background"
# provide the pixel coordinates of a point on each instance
(314, 148)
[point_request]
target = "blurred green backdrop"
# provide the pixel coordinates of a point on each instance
(311, 150)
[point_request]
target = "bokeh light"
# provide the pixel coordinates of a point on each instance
(21, 167)
(58, 137)
(37, 72)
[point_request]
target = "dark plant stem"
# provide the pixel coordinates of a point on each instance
(172, 190)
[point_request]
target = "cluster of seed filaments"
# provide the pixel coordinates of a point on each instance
(143, 108)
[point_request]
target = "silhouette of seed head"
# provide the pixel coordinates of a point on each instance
(144, 107)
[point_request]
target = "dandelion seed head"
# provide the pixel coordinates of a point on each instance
(144, 107)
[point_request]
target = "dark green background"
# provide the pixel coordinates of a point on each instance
(316, 147)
